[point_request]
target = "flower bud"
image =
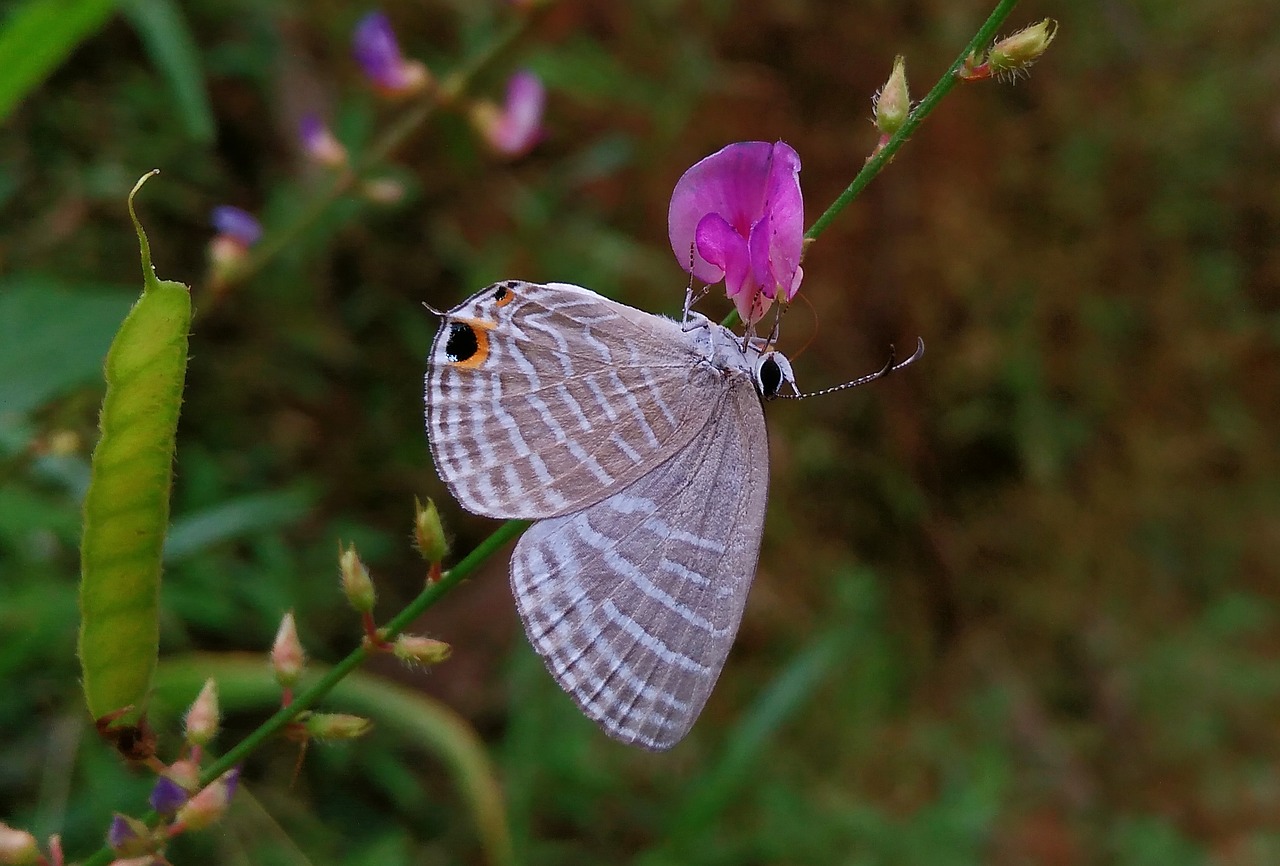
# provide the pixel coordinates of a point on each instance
(377, 51)
(336, 726)
(202, 719)
(357, 586)
(185, 773)
(428, 534)
(892, 105)
(515, 128)
(209, 804)
(167, 796)
(287, 656)
(129, 837)
(417, 649)
(1023, 48)
(17, 847)
(319, 143)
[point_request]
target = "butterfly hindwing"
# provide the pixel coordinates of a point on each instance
(633, 602)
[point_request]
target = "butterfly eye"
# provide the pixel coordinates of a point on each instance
(773, 371)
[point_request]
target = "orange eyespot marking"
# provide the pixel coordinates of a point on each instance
(503, 295)
(468, 343)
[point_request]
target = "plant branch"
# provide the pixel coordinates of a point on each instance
(444, 93)
(944, 86)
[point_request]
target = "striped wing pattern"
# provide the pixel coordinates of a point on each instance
(559, 397)
(633, 602)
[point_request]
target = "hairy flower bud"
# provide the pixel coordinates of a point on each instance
(357, 586)
(892, 105)
(202, 719)
(287, 656)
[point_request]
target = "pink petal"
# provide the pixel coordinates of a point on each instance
(521, 121)
(732, 182)
(784, 207)
(725, 251)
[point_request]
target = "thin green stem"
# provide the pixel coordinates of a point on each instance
(314, 693)
(949, 80)
(882, 157)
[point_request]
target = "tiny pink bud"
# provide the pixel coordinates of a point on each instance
(1023, 48)
(515, 128)
(892, 105)
(210, 803)
(287, 656)
(417, 649)
(17, 847)
(336, 726)
(356, 583)
(428, 533)
(202, 719)
(186, 773)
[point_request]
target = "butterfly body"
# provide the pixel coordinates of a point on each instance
(638, 444)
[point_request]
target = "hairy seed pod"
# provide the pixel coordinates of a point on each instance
(126, 510)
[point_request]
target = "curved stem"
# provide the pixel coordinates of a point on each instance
(948, 80)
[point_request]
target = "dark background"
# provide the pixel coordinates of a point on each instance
(1015, 606)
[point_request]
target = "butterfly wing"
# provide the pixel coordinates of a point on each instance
(634, 602)
(541, 399)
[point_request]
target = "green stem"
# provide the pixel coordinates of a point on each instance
(949, 80)
(445, 93)
(876, 163)
(313, 694)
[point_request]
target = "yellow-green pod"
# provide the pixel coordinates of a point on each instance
(126, 511)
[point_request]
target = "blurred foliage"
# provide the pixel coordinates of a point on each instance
(1018, 605)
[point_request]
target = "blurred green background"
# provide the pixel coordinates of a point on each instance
(1015, 606)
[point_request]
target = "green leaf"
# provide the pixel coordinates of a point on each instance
(53, 338)
(126, 510)
(37, 36)
(164, 32)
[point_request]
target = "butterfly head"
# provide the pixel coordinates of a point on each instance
(773, 373)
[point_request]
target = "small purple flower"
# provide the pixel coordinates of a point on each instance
(514, 129)
(127, 836)
(376, 50)
(319, 142)
(236, 224)
(167, 796)
(742, 212)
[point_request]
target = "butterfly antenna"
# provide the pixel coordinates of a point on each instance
(891, 367)
(432, 310)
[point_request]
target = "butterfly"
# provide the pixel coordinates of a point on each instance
(638, 445)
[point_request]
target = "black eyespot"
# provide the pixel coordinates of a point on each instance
(462, 342)
(500, 293)
(770, 377)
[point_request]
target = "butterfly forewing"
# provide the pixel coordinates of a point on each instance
(544, 399)
(633, 602)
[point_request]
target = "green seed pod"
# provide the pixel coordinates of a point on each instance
(126, 510)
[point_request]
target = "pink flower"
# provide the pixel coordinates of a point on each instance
(515, 128)
(742, 212)
(376, 50)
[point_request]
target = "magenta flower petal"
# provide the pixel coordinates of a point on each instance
(374, 45)
(237, 224)
(754, 189)
(519, 126)
(720, 245)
